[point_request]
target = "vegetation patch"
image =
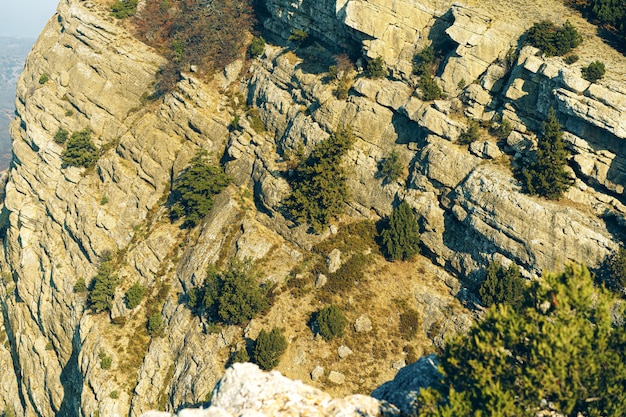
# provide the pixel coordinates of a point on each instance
(429, 88)
(391, 167)
(268, 348)
(319, 184)
(553, 40)
(547, 176)
(79, 150)
(594, 71)
(400, 235)
(122, 9)
(376, 68)
(134, 295)
(502, 286)
(331, 322)
(103, 286)
(193, 190)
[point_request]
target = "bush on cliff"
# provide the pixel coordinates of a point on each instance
(268, 348)
(80, 150)
(553, 40)
(564, 350)
(502, 286)
(331, 322)
(103, 286)
(400, 235)
(319, 186)
(194, 189)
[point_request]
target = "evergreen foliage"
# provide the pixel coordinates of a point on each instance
(611, 14)
(193, 191)
(122, 9)
(617, 269)
(232, 296)
(61, 136)
(391, 167)
(103, 286)
(502, 286)
(241, 356)
(376, 68)
(547, 176)
(553, 40)
(154, 326)
(471, 134)
(268, 348)
(80, 150)
(319, 187)
(429, 87)
(563, 349)
(594, 71)
(257, 46)
(424, 62)
(400, 236)
(331, 322)
(134, 295)
(80, 286)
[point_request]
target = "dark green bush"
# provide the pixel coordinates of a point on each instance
(617, 269)
(562, 354)
(331, 322)
(594, 71)
(80, 150)
(502, 286)
(376, 68)
(268, 348)
(400, 234)
(105, 360)
(471, 134)
(122, 9)
(319, 186)
(257, 46)
(154, 326)
(547, 176)
(241, 356)
(391, 168)
(232, 296)
(424, 62)
(343, 88)
(193, 190)
(61, 136)
(570, 59)
(553, 40)
(103, 286)
(298, 36)
(134, 295)
(429, 88)
(410, 323)
(80, 286)
(44, 78)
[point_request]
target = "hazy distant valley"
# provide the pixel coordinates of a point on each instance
(13, 52)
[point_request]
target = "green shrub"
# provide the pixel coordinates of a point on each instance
(105, 360)
(502, 286)
(255, 120)
(562, 354)
(134, 295)
(241, 356)
(61, 136)
(617, 269)
(44, 78)
(400, 235)
(268, 348)
(570, 59)
(410, 323)
(103, 286)
(429, 88)
(298, 36)
(257, 46)
(232, 296)
(122, 9)
(504, 129)
(594, 71)
(319, 185)
(424, 62)
(471, 134)
(547, 176)
(80, 286)
(155, 324)
(331, 322)
(194, 189)
(80, 150)
(376, 68)
(391, 168)
(343, 88)
(114, 394)
(553, 40)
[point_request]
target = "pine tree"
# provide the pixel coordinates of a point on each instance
(268, 348)
(502, 285)
(563, 348)
(547, 176)
(103, 288)
(400, 237)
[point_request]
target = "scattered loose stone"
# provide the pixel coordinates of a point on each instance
(363, 324)
(317, 373)
(333, 262)
(321, 280)
(344, 351)
(336, 377)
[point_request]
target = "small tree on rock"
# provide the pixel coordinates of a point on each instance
(331, 322)
(400, 237)
(547, 176)
(268, 348)
(502, 286)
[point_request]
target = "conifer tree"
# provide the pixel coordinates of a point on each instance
(547, 176)
(400, 237)
(268, 348)
(564, 348)
(502, 285)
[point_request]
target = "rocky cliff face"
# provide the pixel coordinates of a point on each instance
(59, 223)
